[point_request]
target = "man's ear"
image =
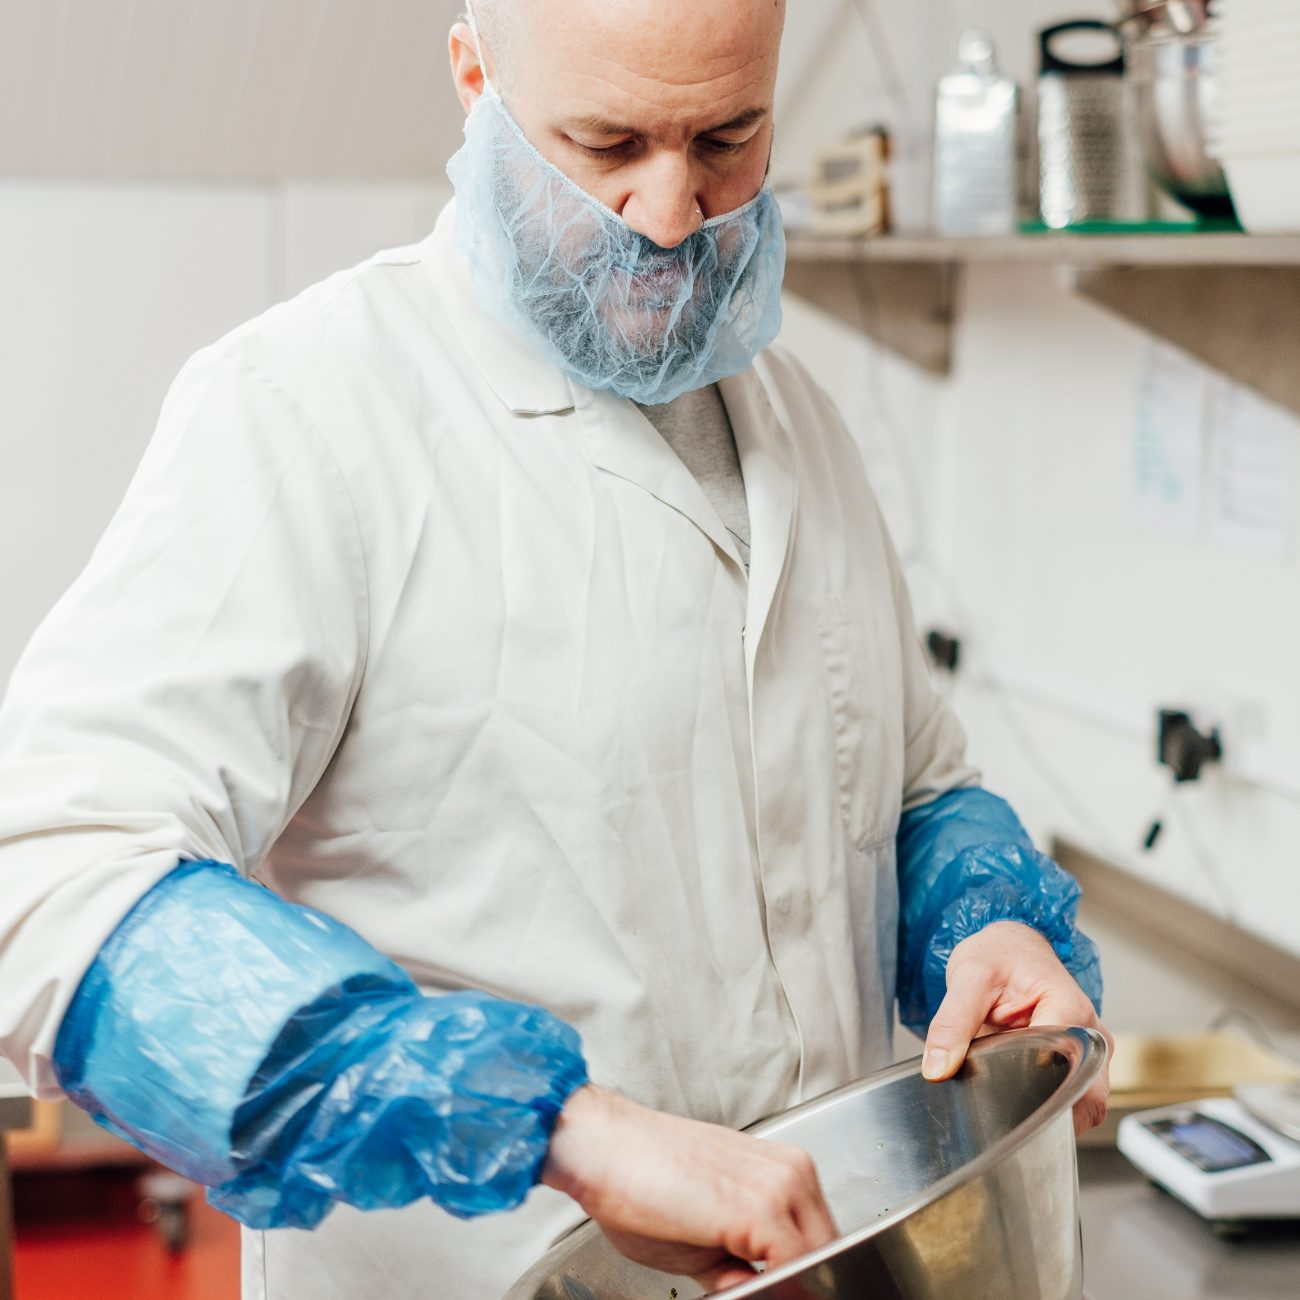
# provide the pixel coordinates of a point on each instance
(466, 65)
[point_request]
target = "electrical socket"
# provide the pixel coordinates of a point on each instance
(944, 648)
(1182, 747)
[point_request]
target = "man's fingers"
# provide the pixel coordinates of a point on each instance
(816, 1224)
(725, 1276)
(792, 1213)
(1091, 1108)
(780, 1241)
(960, 1017)
(811, 1213)
(708, 1204)
(1064, 1007)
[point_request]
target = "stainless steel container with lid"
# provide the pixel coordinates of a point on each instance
(962, 1188)
(1089, 154)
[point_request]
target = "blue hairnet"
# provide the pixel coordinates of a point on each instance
(269, 1052)
(964, 862)
(608, 306)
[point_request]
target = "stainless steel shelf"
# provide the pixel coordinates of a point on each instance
(1232, 300)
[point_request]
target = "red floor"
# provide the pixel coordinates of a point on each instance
(103, 1252)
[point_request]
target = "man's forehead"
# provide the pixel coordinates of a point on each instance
(669, 68)
(598, 123)
(666, 39)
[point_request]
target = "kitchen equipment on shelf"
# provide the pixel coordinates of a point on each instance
(1170, 16)
(976, 144)
(1174, 80)
(848, 188)
(1230, 1159)
(967, 1187)
(1090, 155)
(1256, 135)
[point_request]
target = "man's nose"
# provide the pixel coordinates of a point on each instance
(665, 205)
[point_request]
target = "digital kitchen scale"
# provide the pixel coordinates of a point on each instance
(1228, 1158)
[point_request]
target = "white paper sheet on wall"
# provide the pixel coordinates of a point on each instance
(1251, 494)
(1213, 461)
(1169, 444)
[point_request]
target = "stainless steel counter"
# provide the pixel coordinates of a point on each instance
(1141, 1244)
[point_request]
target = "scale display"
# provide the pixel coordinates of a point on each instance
(1218, 1157)
(1212, 1146)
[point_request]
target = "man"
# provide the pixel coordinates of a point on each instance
(506, 602)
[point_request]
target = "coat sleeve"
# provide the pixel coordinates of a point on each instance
(265, 1050)
(965, 862)
(183, 698)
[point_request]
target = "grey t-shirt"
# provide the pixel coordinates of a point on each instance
(696, 426)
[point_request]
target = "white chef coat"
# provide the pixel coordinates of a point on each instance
(411, 628)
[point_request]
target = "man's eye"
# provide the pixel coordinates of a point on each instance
(724, 146)
(604, 150)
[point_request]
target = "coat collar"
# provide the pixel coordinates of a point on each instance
(524, 381)
(766, 450)
(623, 442)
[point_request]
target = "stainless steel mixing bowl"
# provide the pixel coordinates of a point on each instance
(1180, 16)
(1174, 79)
(966, 1188)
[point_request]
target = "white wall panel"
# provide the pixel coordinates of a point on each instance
(1097, 620)
(149, 82)
(192, 90)
(108, 289)
(327, 226)
(207, 105)
(29, 48)
(106, 292)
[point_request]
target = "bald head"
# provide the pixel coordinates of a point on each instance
(498, 23)
(663, 111)
(505, 26)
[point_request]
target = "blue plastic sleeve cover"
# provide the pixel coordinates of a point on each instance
(269, 1052)
(964, 862)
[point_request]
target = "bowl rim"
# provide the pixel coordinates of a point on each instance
(1084, 1049)
(1086, 1053)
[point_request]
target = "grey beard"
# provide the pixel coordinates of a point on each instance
(667, 334)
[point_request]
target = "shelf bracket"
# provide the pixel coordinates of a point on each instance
(907, 307)
(1241, 320)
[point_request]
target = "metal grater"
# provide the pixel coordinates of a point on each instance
(1090, 156)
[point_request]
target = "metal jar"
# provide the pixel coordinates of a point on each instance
(964, 1188)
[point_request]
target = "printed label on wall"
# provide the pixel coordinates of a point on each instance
(1213, 461)
(1169, 444)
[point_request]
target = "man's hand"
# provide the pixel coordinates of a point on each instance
(1007, 977)
(685, 1197)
